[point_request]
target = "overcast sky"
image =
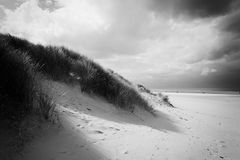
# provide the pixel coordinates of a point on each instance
(158, 43)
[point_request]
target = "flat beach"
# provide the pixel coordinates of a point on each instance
(201, 126)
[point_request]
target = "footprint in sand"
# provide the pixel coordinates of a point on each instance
(85, 120)
(222, 141)
(222, 144)
(98, 132)
(80, 126)
(63, 152)
(116, 129)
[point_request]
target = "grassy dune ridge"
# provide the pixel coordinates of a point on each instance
(21, 62)
(16, 84)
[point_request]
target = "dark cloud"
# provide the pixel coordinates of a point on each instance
(231, 23)
(229, 47)
(227, 75)
(194, 8)
(2, 13)
(11, 4)
(205, 8)
(50, 5)
(229, 26)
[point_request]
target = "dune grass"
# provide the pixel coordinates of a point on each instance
(60, 64)
(20, 92)
(16, 84)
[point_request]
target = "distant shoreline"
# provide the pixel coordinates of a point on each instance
(197, 91)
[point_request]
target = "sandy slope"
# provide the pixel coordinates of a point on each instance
(199, 128)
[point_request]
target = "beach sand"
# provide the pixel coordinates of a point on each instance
(202, 126)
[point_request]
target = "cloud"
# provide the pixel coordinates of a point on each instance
(50, 5)
(193, 8)
(230, 37)
(226, 17)
(42, 26)
(231, 23)
(206, 71)
(11, 4)
(89, 26)
(2, 14)
(96, 28)
(205, 8)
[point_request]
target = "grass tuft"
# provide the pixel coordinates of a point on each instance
(61, 64)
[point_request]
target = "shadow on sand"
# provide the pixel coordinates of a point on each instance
(57, 143)
(72, 97)
(99, 108)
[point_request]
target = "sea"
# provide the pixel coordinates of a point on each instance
(198, 90)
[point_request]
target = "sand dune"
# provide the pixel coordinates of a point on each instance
(200, 127)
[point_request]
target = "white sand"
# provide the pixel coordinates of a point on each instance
(201, 127)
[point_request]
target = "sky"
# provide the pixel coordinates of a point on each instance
(158, 43)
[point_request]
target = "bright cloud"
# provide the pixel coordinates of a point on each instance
(206, 71)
